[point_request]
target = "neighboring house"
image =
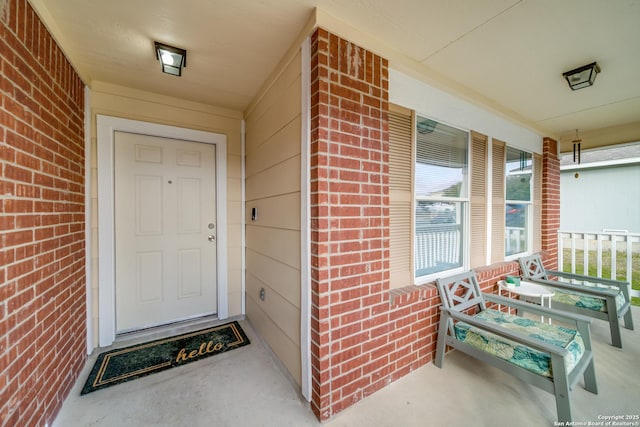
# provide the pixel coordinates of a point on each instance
(602, 192)
(348, 236)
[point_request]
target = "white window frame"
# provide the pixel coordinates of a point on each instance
(529, 212)
(465, 209)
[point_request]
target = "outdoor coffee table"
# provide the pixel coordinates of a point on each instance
(529, 290)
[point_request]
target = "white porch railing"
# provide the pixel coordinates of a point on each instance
(593, 245)
(437, 246)
(516, 240)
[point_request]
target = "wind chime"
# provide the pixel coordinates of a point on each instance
(576, 148)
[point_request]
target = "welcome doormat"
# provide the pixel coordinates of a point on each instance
(125, 364)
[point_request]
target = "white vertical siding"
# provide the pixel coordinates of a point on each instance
(600, 198)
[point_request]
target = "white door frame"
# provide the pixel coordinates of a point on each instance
(106, 128)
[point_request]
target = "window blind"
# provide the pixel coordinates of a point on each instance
(441, 160)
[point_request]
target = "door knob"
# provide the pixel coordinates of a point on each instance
(211, 238)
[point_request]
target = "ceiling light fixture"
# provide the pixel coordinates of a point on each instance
(583, 76)
(172, 59)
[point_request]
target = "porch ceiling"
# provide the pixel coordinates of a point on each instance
(508, 54)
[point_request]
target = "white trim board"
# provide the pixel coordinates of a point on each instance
(438, 105)
(601, 164)
(87, 217)
(305, 218)
(106, 128)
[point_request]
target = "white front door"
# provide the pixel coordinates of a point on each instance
(165, 230)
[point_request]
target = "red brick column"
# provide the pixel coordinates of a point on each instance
(42, 281)
(364, 335)
(550, 202)
(349, 217)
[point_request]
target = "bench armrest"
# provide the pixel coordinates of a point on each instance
(581, 289)
(620, 284)
(608, 282)
(537, 309)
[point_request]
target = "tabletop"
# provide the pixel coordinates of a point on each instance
(527, 289)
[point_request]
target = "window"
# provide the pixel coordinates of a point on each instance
(518, 203)
(441, 197)
(448, 211)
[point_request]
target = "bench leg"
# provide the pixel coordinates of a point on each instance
(590, 378)
(563, 407)
(442, 339)
(561, 386)
(628, 320)
(590, 372)
(614, 326)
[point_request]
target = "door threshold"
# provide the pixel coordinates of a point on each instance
(166, 330)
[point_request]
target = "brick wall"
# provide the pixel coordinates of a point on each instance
(42, 283)
(550, 202)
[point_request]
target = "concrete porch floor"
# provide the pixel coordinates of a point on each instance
(247, 387)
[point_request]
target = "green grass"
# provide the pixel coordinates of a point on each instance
(621, 267)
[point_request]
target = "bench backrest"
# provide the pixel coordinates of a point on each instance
(532, 267)
(461, 292)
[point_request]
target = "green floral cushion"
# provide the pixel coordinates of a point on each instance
(516, 353)
(585, 301)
